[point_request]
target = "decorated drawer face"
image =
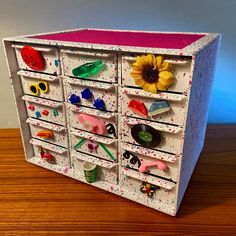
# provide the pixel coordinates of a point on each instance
(38, 58)
(90, 65)
(92, 169)
(91, 120)
(94, 145)
(40, 85)
(149, 161)
(44, 109)
(156, 73)
(97, 95)
(50, 153)
(48, 132)
(164, 107)
(152, 135)
(146, 188)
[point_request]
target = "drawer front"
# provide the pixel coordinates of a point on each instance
(165, 108)
(87, 119)
(106, 171)
(105, 72)
(40, 85)
(181, 70)
(48, 132)
(134, 183)
(102, 96)
(38, 58)
(152, 135)
(46, 110)
(150, 162)
(50, 153)
(95, 145)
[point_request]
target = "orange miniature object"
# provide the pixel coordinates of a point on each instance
(45, 134)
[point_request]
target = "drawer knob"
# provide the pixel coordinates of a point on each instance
(99, 104)
(32, 58)
(86, 94)
(45, 134)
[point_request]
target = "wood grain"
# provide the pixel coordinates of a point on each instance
(35, 201)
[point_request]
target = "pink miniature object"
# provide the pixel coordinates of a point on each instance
(92, 124)
(159, 164)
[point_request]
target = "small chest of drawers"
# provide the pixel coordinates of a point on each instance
(131, 105)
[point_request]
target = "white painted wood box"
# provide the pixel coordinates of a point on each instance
(132, 103)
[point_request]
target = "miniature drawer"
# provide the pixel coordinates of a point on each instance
(55, 155)
(48, 132)
(106, 171)
(44, 109)
(95, 121)
(170, 136)
(94, 145)
(72, 59)
(132, 184)
(137, 158)
(141, 104)
(41, 85)
(47, 57)
(181, 69)
(104, 91)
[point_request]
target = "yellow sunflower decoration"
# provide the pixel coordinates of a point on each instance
(152, 73)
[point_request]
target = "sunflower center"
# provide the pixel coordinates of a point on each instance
(150, 74)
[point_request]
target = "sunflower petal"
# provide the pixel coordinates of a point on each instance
(136, 75)
(149, 59)
(160, 86)
(165, 82)
(150, 87)
(167, 75)
(165, 66)
(159, 60)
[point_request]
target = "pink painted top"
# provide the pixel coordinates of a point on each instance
(126, 38)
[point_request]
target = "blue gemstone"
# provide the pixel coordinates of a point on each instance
(74, 99)
(99, 104)
(86, 94)
(37, 114)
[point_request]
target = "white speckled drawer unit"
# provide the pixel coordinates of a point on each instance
(41, 85)
(106, 171)
(49, 132)
(55, 155)
(137, 158)
(124, 111)
(48, 56)
(72, 59)
(132, 181)
(171, 137)
(101, 91)
(44, 109)
(144, 101)
(92, 120)
(94, 145)
(181, 69)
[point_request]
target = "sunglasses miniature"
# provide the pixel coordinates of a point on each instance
(36, 88)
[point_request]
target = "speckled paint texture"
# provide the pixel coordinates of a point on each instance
(182, 128)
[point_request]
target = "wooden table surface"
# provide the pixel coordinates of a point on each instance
(35, 201)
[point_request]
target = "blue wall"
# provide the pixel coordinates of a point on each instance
(25, 16)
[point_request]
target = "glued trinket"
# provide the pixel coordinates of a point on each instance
(86, 94)
(99, 104)
(148, 189)
(37, 114)
(47, 134)
(161, 165)
(45, 112)
(146, 135)
(55, 112)
(111, 129)
(47, 156)
(89, 69)
(138, 107)
(74, 99)
(31, 107)
(158, 107)
(92, 146)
